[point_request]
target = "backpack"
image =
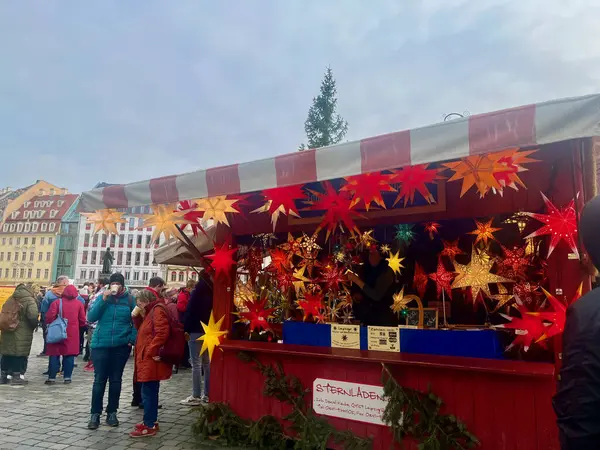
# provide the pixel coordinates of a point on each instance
(172, 350)
(10, 316)
(57, 330)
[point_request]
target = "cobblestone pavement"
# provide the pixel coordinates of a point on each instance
(55, 417)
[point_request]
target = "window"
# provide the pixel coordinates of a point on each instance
(26, 241)
(48, 256)
(14, 273)
(38, 274)
(130, 240)
(51, 228)
(181, 276)
(46, 274)
(128, 259)
(127, 276)
(141, 223)
(88, 226)
(146, 259)
(86, 240)
(145, 276)
(104, 240)
(31, 256)
(32, 241)
(3, 241)
(18, 241)
(8, 256)
(44, 227)
(27, 228)
(193, 276)
(139, 240)
(16, 256)
(50, 239)
(137, 259)
(94, 256)
(5, 273)
(119, 258)
(83, 274)
(113, 240)
(42, 241)
(136, 276)
(40, 256)
(154, 274)
(148, 241)
(92, 274)
(95, 241)
(22, 274)
(29, 274)
(24, 256)
(84, 257)
(121, 240)
(122, 227)
(131, 223)
(10, 240)
(34, 227)
(1, 256)
(101, 257)
(173, 276)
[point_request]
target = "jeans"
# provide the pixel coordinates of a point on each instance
(200, 365)
(150, 399)
(13, 364)
(68, 362)
(109, 364)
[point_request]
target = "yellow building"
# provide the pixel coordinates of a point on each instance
(178, 276)
(13, 199)
(28, 237)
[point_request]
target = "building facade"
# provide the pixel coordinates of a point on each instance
(179, 275)
(28, 237)
(12, 199)
(65, 253)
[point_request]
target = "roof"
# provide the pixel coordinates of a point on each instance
(543, 123)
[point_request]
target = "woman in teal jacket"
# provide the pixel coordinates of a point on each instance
(111, 345)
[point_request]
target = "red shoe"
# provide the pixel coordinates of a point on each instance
(139, 426)
(142, 430)
(89, 367)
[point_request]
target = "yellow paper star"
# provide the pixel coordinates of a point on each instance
(394, 262)
(401, 300)
(476, 275)
(105, 219)
(503, 297)
(484, 232)
(164, 220)
(212, 335)
(215, 208)
(299, 280)
(385, 249)
(478, 171)
(367, 239)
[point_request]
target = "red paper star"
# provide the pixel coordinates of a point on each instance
(557, 316)
(413, 179)
(528, 293)
(311, 305)
(333, 276)
(432, 228)
(560, 224)
(281, 200)
(222, 260)
(253, 263)
(528, 329)
(257, 315)
(442, 279)
(293, 246)
(484, 232)
(367, 188)
(514, 263)
(420, 280)
(451, 249)
(279, 261)
(193, 215)
(338, 210)
(285, 281)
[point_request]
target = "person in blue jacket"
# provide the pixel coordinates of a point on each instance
(111, 345)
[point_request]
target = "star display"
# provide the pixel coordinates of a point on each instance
(293, 246)
(367, 240)
(477, 170)
(558, 316)
(164, 219)
(284, 280)
(385, 249)
(404, 233)
(414, 179)
(512, 160)
(217, 208)
(338, 210)
(279, 261)
(401, 300)
(105, 220)
(395, 262)
(420, 280)
(484, 232)
(281, 200)
(451, 249)
(257, 315)
(222, 260)
(528, 329)
(311, 305)
(514, 264)
(333, 277)
(253, 263)
(367, 188)
(528, 293)
(212, 335)
(299, 280)
(442, 279)
(193, 215)
(432, 228)
(559, 224)
(503, 297)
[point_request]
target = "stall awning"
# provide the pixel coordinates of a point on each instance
(175, 253)
(537, 124)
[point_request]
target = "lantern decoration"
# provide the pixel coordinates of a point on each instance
(299, 280)
(559, 224)
(451, 249)
(164, 220)
(401, 301)
(279, 261)
(476, 170)
(333, 277)
(105, 220)
(367, 240)
(212, 335)
(193, 215)
(257, 315)
(514, 264)
(484, 232)
(266, 239)
(420, 280)
(367, 188)
(442, 279)
(385, 249)
(311, 305)
(404, 233)
(395, 262)
(284, 281)
(558, 316)
(528, 329)
(310, 250)
(528, 293)
(432, 228)
(217, 208)
(503, 297)
(476, 275)
(244, 293)
(253, 262)
(338, 210)
(414, 179)
(281, 200)
(222, 260)
(512, 160)
(292, 247)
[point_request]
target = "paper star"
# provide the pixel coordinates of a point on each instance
(257, 315)
(293, 246)
(193, 215)
(527, 293)
(212, 335)
(266, 239)
(512, 161)
(476, 275)
(442, 279)
(385, 249)
(347, 316)
(401, 300)
(413, 179)
(476, 170)
(338, 210)
(299, 280)
(484, 232)
(395, 262)
(367, 188)
(451, 249)
(367, 240)
(503, 297)
(311, 305)
(333, 276)
(558, 316)
(420, 280)
(528, 329)
(559, 224)
(279, 261)
(432, 228)
(281, 200)
(216, 208)
(514, 263)
(404, 233)
(164, 220)
(105, 220)
(222, 260)
(253, 263)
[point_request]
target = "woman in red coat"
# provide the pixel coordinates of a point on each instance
(73, 312)
(150, 370)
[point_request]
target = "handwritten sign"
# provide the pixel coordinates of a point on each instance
(354, 401)
(345, 336)
(385, 339)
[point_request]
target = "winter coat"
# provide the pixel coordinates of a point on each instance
(183, 298)
(73, 312)
(114, 327)
(199, 307)
(152, 335)
(18, 342)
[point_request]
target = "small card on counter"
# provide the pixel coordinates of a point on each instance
(345, 336)
(386, 339)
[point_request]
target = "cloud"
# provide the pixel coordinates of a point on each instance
(121, 92)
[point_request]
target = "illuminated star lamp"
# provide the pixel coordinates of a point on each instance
(212, 335)
(514, 264)
(559, 224)
(476, 170)
(404, 233)
(293, 246)
(395, 262)
(512, 160)
(338, 210)
(414, 179)
(333, 277)
(222, 260)
(281, 200)
(367, 188)
(279, 261)
(442, 279)
(558, 316)
(193, 215)
(164, 219)
(311, 305)
(105, 220)
(528, 329)
(503, 297)
(451, 249)
(257, 315)
(484, 232)
(433, 228)
(217, 208)
(401, 301)
(299, 280)
(420, 280)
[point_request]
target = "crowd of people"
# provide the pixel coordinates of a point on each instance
(105, 322)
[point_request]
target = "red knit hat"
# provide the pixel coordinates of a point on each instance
(70, 292)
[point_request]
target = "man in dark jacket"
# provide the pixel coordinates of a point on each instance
(577, 401)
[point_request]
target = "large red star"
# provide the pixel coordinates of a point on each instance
(528, 329)
(413, 179)
(367, 188)
(442, 279)
(338, 210)
(333, 276)
(514, 263)
(281, 200)
(222, 260)
(193, 215)
(311, 305)
(558, 316)
(257, 315)
(279, 261)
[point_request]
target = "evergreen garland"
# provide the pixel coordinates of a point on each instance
(409, 412)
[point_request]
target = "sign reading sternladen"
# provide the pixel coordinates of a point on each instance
(386, 339)
(354, 401)
(345, 336)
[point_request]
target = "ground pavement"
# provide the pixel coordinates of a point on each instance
(55, 417)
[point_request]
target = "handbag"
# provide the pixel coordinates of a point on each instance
(57, 330)
(172, 351)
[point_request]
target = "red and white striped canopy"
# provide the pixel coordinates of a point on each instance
(542, 123)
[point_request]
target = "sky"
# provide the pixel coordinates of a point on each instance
(121, 91)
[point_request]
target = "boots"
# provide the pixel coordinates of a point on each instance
(17, 380)
(3, 377)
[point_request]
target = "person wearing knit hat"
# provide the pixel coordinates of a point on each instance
(111, 345)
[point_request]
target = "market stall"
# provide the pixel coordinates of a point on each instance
(406, 287)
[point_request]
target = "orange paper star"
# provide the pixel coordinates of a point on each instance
(484, 232)
(476, 170)
(367, 188)
(165, 219)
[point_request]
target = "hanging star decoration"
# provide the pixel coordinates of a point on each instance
(451, 250)
(222, 260)
(284, 280)
(338, 210)
(528, 329)
(503, 297)
(266, 239)
(367, 188)
(401, 301)
(514, 264)
(193, 215)
(279, 261)
(476, 170)
(484, 232)
(404, 233)
(165, 220)
(217, 208)
(385, 249)
(420, 280)
(432, 228)
(558, 316)
(442, 279)
(476, 275)
(257, 315)
(281, 200)
(559, 224)
(367, 240)
(243, 294)
(512, 161)
(212, 335)
(528, 293)
(395, 262)
(293, 246)
(253, 262)
(311, 305)
(347, 316)
(299, 280)
(105, 220)
(414, 179)
(310, 250)
(333, 277)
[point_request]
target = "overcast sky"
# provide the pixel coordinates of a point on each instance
(120, 91)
